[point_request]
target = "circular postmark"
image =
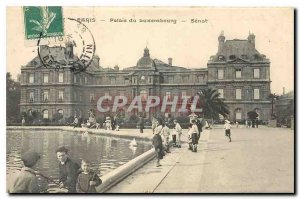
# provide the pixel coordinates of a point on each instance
(75, 50)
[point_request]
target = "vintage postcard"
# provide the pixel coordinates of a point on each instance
(149, 100)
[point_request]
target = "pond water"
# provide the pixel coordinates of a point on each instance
(105, 153)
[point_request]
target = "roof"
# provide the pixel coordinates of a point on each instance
(145, 61)
(59, 55)
(238, 48)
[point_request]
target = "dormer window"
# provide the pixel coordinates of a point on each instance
(244, 57)
(221, 58)
(232, 57)
(257, 57)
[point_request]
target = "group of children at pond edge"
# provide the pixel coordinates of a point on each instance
(72, 177)
(161, 133)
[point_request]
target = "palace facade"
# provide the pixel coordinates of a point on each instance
(238, 71)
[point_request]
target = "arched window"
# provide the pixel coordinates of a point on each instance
(232, 57)
(29, 112)
(61, 111)
(238, 114)
(257, 110)
(45, 114)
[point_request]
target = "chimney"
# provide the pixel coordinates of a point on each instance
(96, 59)
(170, 61)
(116, 68)
(283, 92)
(221, 40)
(251, 39)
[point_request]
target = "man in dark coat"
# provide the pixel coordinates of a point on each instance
(141, 124)
(158, 146)
(199, 125)
(68, 170)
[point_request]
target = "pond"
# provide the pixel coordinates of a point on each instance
(105, 153)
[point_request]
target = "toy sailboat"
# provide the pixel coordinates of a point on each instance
(133, 143)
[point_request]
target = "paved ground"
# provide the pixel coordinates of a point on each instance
(257, 160)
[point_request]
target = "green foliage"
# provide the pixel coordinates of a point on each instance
(212, 104)
(13, 95)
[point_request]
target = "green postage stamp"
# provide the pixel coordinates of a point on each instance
(47, 20)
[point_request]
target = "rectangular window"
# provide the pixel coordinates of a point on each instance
(238, 93)
(113, 80)
(133, 92)
(134, 80)
(80, 97)
(92, 97)
(171, 80)
(31, 78)
(256, 93)
(60, 95)
(126, 80)
(220, 74)
(256, 72)
(221, 91)
(75, 79)
(60, 77)
(238, 73)
(185, 79)
(201, 78)
(46, 78)
(85, 80)
(150, 80)
(45, 96)
(31, 96)
(75, 95)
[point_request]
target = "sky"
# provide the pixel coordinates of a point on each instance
(189, 44)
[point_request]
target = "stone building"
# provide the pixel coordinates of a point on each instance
(239, 72)
(284, 109)
(242, 76)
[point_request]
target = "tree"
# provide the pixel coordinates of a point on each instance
(13, 94)
(212, 104)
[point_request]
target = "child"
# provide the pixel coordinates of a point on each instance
(154, 124)
(166, 134)
(190, 137)
(194, 135)
(87, 180)
(227, 127)
(174, 135)
(178, 131)
(157, 143)
(26, 181)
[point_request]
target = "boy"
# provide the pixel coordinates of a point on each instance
(227, 127)
(26, 181)
(178, 131)
(157, 143)
(194, 135)
(87, 180)
(166, 134)
(68, 170)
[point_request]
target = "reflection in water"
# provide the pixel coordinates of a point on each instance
(105, 153)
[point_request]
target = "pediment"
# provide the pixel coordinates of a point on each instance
(238, 61)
